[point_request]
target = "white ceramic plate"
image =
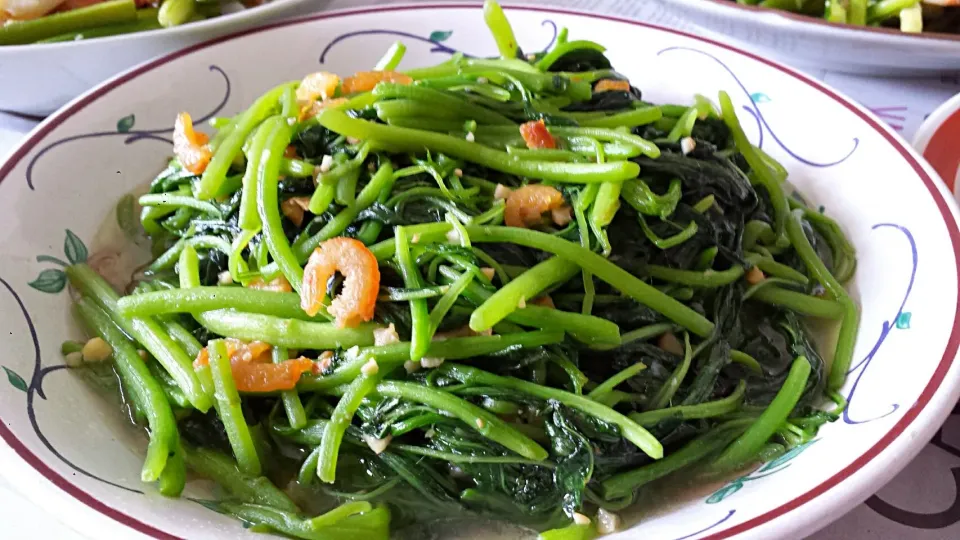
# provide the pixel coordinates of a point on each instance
(808, 41)
(938, 139)
(78, 458)
(38, 79)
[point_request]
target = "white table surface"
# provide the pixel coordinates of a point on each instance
(922, 503)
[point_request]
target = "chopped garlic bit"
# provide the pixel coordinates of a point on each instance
(501, 192)
(325, 360)
(224, 278)
(142, 353)
(522, 303)
(580, 519)
(370, 368)
(458, 172)
(754, 275)
(687, 144)
(96, 350)
(415, 238)
(291, 121)
(385, 336)
(377, 445)
(480, 423)
(453, 236)
(482, 80)
(326, 163)
(429, 363)
(562, 215)
(411, 366)
(353, 140)
(489, 272)
(429, 433)
(470, 136)
(607, 522)
(74, 359)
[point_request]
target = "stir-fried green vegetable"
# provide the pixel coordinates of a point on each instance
(395, 297)
(907, 15)
(43, 21)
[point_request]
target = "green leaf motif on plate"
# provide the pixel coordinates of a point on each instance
(440, 35)
(772, 467)
(74, 248)
(15, 380)
(786, 457)
(903, 320)
(125, 124)
(726, 491)
(50, 281)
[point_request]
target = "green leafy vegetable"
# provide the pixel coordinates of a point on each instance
(649, 324)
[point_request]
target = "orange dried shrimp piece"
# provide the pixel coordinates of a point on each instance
(271, 377)
(526, 205)
(318, 106)
(536, 135)
(364, 81)
(358, 298)
(611, 85)
(190, 146)
(253, 370)
(320, 86)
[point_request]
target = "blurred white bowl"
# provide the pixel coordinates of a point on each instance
(809, 41)
(38, 79)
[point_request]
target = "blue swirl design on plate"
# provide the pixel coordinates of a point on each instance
(754, 110)
(125, 129)
(885, 328)
(35, 388)
(715, 525)
(435, 39)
